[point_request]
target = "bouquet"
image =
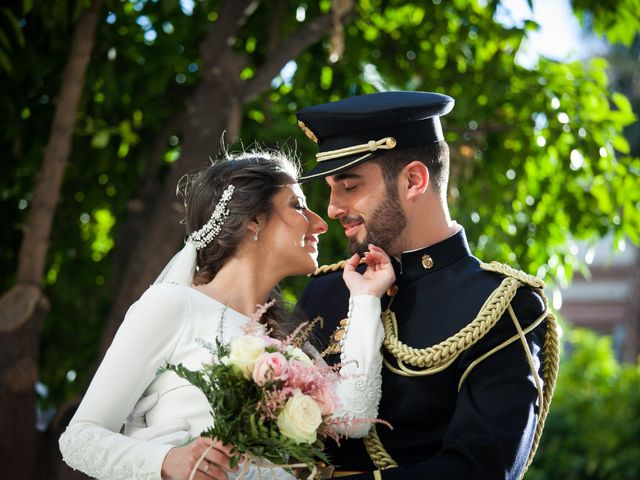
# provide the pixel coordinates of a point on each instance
(268, 398)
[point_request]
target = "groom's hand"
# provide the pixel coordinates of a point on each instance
(173, 432)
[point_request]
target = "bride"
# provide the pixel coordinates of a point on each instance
(248, 228)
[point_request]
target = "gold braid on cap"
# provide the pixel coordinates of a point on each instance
(387, 143)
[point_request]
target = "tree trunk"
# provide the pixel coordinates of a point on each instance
(209, 113)
(23, 307)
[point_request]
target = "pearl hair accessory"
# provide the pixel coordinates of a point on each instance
(201, 238)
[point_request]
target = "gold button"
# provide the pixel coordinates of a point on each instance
(427, 261)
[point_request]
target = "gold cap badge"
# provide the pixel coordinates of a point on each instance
(307, 131)
(427, 261)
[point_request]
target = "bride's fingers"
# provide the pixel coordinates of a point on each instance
(379, 251)
(352, 263)
(375, 257)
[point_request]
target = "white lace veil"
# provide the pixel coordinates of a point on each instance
(181, 267)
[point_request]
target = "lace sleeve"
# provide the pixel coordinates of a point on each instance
(145, 341)
(360, 389)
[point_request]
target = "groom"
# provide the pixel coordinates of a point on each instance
(470, 349)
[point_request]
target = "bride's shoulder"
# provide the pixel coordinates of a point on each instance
(167, 290)
(168, 298)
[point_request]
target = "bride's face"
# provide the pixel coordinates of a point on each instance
(292, 231)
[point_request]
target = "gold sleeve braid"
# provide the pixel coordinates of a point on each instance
(438, 357)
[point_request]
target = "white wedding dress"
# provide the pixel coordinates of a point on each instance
(164, 325)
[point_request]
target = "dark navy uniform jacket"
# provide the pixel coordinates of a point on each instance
(483, 431)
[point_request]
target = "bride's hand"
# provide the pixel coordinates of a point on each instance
(376, 279)
(180, 461)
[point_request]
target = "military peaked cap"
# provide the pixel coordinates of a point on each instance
(356, 129)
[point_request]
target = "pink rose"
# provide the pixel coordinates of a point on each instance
(269, 367)
(326, 398)
(272, 342)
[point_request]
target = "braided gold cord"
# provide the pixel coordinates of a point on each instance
(436, 358)
(550, 368)
(334, 267)
(508, 271)
(376, 450)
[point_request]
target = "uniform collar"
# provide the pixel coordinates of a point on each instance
(434, 257)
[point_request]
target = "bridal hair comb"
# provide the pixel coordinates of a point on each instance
(201, 238)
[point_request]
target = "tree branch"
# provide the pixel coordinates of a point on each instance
(231, 16)
(274, 28)
(307, 35)
(35, 243)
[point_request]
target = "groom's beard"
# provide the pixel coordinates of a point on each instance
(386, 226)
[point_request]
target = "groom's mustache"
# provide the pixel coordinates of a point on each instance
(352, 219)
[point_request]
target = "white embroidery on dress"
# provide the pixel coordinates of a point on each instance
(81, 451)
(360, 388)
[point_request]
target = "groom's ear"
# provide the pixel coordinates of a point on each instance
(414, 177)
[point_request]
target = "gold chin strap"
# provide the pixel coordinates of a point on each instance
(386, 143)
(431, 360)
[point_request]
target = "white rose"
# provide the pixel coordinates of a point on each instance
(244, 352)
(300, 418)
(298, 354)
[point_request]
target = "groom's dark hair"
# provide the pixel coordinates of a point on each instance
(434, 155)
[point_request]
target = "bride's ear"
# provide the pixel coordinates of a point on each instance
(254, 225)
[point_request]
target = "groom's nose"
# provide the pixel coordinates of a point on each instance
(335, 208)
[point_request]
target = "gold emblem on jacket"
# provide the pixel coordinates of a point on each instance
(427, 261)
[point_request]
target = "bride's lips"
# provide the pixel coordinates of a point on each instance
(312, 243)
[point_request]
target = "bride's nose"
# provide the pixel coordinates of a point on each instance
(318, 225)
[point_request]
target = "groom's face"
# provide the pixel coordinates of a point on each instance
(368, 212)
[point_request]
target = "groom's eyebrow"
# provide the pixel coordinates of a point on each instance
(345, 176)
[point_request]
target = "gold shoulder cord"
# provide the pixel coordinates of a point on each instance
(427, 361)
(334, 267)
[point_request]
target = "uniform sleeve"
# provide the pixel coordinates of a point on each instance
(360, 389)
(144, 342)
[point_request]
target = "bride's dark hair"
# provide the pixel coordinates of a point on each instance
(256, 175)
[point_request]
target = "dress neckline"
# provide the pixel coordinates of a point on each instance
(221, 305)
